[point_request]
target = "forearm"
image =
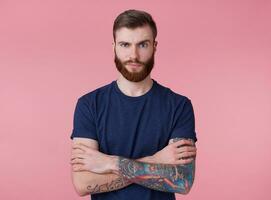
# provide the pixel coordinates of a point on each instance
(108, 172)
(87, 182)
(91, 183)
(162, 177)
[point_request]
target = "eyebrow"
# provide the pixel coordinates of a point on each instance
(121, 42)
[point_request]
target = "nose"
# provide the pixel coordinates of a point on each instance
(134, 53)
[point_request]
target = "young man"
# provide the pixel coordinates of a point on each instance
(133, 138)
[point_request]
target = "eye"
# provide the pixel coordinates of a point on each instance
(124, 44)
(143, 45)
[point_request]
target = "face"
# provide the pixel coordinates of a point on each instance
(134, 52)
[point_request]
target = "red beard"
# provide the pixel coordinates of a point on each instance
(135, 76)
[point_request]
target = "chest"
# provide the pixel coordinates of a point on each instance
(133, 130)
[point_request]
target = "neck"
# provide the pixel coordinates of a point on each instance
(134, 89)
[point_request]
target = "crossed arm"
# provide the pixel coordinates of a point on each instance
(94, 172)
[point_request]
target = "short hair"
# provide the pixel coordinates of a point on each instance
(134, 19)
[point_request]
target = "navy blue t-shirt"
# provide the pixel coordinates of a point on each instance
(133, 127)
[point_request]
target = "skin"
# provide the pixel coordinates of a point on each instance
(139, 69)
(164, 177)
(131, 45)
(112, 172)
(87, 182)
(95, 172)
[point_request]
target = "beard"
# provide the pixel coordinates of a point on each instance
(135, 76)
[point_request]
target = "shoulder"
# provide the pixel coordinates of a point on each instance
(88, 101)
(171, 96)
(96, 94)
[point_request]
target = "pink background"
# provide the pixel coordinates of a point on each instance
(218, 53)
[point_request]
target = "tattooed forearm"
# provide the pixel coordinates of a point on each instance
(115, 184)
(163, 177)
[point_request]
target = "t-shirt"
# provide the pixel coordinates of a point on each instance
(133, 127)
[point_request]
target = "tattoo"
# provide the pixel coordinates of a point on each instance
(163, 177)
(118, 183)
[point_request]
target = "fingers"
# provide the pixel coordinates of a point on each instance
(80, 143)
(78, 167)
(186, 152)
(186, 155)
(80, 146)
(75, 151)
(77, 161)
(184, 142)
(78, 155)
(186, 149)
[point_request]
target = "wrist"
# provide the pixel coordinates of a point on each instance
(148, 159)
(114, 164)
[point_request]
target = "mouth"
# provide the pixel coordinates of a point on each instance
(134, 64)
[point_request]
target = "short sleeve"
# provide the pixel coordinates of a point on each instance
(184, 121)
(83, 121)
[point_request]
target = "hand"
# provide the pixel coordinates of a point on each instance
(85, 158)
(180, 152)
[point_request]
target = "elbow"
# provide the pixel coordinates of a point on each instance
(183, 191)
(80, 186)
(80, 190)
(185, 187)
(82, 194)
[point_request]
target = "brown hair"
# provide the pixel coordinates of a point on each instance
(134, 19)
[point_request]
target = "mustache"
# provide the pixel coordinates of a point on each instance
(133, 62)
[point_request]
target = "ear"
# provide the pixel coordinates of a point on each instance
(113, 46)
(155, 45)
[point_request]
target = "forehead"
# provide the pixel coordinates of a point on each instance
(134, 35)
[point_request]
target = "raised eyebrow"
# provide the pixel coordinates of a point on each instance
(122, 42)
(144, 41)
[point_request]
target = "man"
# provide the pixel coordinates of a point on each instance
(133, 138)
